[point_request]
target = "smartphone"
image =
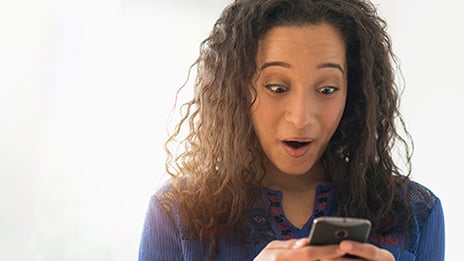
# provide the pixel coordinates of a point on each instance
(332, 230)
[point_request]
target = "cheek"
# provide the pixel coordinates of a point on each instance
(258, 110)
(264, 117)
(259, 117)
(256, 118)
(332, 116)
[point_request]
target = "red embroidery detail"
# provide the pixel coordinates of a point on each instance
(321, 206)
(278, 218)
(386, 240)
(221, 231)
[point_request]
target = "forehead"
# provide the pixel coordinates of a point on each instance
(313, 42)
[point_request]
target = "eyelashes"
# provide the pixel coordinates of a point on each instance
(280, 88)
(327, 90)
(276, 88)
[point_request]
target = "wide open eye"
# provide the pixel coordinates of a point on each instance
(277, 88)
(327, 90)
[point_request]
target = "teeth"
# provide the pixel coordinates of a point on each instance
(296, 144)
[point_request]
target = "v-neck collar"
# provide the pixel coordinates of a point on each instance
(282, 227)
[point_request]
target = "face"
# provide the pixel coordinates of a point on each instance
(301, 88)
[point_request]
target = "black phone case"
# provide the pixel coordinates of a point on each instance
(332, 230)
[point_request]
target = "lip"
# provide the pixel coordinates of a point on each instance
(300, 151)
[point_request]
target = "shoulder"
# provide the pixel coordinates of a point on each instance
(165, 200)
(163, 208)
(419, 193)
(166, 196)
(426, 230)
(426, 209)
(161, 231)
(422, 200)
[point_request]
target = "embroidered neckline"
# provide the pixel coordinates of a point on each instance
(285, 229)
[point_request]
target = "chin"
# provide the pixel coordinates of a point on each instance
(297, 167)
(293, 171)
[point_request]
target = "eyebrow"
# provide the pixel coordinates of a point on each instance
(331, 65)
(275, 63)
(286, 65)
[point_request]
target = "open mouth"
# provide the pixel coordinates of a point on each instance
(296, 144)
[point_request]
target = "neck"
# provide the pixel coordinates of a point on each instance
(277, 180)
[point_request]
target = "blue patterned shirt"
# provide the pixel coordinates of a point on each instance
(163, 237)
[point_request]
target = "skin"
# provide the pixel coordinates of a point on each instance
(301, 90)
(300, 93)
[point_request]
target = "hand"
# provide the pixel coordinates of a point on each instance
(365, 251)
(298, 249)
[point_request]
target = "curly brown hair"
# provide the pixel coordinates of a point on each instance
(216, 174)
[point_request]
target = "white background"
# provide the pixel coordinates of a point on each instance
(86, 87)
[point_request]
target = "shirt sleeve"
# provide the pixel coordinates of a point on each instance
(160, 238)
(432, 237)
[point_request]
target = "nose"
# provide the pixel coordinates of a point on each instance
(301, 111)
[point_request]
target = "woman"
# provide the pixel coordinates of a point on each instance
(294, 117)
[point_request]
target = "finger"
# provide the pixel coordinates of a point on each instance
(301, 243)
(283, 244)
(366, 251)
(321, 252)
(288, 244)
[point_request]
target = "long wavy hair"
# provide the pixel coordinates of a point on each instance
(215, 175)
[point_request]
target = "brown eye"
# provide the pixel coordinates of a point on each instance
(327, 90)
(277, 88)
